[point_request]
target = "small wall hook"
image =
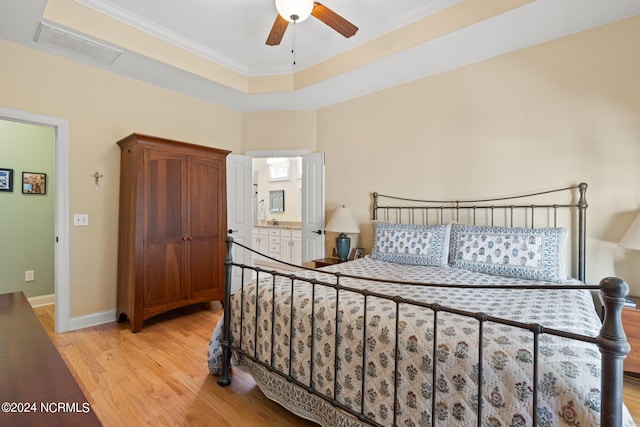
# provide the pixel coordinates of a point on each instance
(96, 175)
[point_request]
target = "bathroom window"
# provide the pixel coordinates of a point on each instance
(279, 168)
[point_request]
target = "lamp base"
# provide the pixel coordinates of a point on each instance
(343, 245)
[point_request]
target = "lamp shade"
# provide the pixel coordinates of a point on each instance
(631, 239)
(294, 10)
(343, 221)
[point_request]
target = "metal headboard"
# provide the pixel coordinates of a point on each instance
(526, 210)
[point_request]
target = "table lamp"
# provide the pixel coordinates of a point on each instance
(631, 239)
(343, 221)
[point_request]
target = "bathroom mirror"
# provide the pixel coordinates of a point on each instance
(276, 201)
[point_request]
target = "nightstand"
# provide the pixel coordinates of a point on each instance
(324, 262)
(631, 324)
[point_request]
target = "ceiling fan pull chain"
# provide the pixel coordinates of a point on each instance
(293, 43)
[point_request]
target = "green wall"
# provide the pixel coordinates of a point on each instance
(26, 221)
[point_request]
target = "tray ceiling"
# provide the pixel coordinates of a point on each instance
(215, 49)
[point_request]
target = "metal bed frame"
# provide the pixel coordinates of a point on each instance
(611, 340)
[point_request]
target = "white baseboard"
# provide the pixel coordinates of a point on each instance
(42, 300)
(94, 319)
(76, 322)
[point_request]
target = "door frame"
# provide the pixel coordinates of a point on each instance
(62, 288)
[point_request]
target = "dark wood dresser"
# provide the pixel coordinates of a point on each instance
(631, 324)
(36, 386)
(325, 262)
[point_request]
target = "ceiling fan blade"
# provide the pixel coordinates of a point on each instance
(277, 31)
(333, 20)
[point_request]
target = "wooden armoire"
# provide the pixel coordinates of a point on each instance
(173, 225)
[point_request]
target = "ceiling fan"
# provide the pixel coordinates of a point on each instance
(298, 10)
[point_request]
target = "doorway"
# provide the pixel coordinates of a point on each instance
(277, 209)
(311, 197)
(240, 196)
(61, 208)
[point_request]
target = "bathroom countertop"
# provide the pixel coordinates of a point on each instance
(281, 224)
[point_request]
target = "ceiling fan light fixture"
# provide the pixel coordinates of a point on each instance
(294, 10)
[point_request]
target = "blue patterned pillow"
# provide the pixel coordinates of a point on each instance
(411, 244)
(527, 253)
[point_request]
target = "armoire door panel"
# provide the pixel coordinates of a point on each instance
(163, 274)
(164, 208)
(204, 198)
(206, 278)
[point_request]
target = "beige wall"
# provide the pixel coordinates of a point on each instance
(560, 113)
(279, 130)
(102, 108)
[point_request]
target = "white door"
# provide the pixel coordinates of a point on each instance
(313, 206)
(239, 211)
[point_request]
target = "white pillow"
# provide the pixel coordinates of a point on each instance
(411, 244)
(527, 253)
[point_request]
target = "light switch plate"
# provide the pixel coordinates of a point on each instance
(80, 220)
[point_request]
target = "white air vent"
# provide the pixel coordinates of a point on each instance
(57, 38)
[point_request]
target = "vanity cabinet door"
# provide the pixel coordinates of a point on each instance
(296, 247)
(285, 245)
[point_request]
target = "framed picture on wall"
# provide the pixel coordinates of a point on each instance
(6, 179)
(34, 183)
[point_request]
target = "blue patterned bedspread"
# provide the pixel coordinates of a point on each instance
(441, 383)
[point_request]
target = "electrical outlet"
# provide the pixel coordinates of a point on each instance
(29, 276)
(80, 220)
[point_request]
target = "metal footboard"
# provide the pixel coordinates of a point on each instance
(611, 341)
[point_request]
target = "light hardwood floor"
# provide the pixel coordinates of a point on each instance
(159, 375)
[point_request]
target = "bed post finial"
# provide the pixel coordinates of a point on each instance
(226, 321)
(374, 210)
(582, 232)
(614, 347)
